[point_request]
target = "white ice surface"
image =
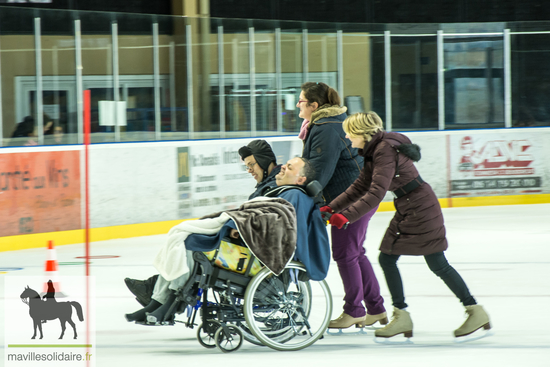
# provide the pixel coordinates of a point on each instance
(502, 252)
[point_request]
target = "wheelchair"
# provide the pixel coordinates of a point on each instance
(286, 312)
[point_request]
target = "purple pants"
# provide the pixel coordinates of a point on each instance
(360, 283)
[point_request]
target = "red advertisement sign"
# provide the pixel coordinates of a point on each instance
(495, 164)
(39, 192)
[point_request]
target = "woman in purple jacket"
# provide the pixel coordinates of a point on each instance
(417, 227)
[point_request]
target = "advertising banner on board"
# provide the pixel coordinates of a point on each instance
(495, 164)
(39, 192)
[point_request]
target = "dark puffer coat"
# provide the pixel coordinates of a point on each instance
(417, 227)
(336, 163)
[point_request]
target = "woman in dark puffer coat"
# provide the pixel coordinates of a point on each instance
(417, 227)
(337, 166)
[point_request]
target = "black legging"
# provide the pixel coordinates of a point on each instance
(438, 264)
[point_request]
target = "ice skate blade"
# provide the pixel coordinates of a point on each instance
(474, 336)
(392, 341)
(340, 332)
(372, 327)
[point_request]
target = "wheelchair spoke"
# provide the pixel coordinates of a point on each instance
(280, 315)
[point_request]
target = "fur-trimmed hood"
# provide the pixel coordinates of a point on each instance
(325, 111)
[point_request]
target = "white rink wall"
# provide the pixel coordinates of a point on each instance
(134, 183)
(139, 182)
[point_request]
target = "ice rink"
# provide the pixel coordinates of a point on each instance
(502, 252)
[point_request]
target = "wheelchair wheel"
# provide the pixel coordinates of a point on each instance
(280, 335)
(206, 334)
(287, 312)
(229, 343)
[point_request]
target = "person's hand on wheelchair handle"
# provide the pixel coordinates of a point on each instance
(336, 219)
(339, 221)
(326, 212)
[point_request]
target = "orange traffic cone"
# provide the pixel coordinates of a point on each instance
(52, 286)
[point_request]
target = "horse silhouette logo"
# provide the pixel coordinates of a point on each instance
(42, 310)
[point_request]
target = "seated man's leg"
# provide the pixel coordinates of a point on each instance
(141, 314)
(165, 293)
(161, 295)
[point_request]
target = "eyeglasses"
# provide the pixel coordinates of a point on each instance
(301, 101)
(250, 167)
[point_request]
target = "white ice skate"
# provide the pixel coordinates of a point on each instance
(380, 320)
(344, 322)
(476, 326)
(401, 323)
(372, 322)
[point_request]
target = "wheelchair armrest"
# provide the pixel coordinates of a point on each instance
(201, 261)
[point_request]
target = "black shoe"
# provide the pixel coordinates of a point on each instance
(165, 314)
(153, 318)
(140, 315)
(142, 289)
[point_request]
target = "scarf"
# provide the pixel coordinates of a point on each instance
(303, 130)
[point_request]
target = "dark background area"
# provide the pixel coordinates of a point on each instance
(354, 11)
(385, 11)
(127, 6)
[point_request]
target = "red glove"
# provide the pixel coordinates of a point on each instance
(339, 221)
(326, 212)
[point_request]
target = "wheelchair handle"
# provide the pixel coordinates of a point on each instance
(326, 217)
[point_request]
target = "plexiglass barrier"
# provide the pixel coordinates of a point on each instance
(156, 78)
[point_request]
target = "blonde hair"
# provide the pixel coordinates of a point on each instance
(363, 125)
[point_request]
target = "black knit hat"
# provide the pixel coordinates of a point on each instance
(261, 151)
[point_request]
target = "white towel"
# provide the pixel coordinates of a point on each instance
(171, 261)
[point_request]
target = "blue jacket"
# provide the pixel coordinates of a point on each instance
(337, 164)
(312, 244)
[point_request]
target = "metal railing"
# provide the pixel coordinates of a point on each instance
(276, 64)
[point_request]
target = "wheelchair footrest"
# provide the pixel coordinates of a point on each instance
(160, 323)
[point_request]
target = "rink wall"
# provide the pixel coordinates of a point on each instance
(139, 189)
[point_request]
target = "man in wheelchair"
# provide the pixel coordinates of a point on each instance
(261, 163)
(282, 225)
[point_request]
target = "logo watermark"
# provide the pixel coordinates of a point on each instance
(49, 322)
